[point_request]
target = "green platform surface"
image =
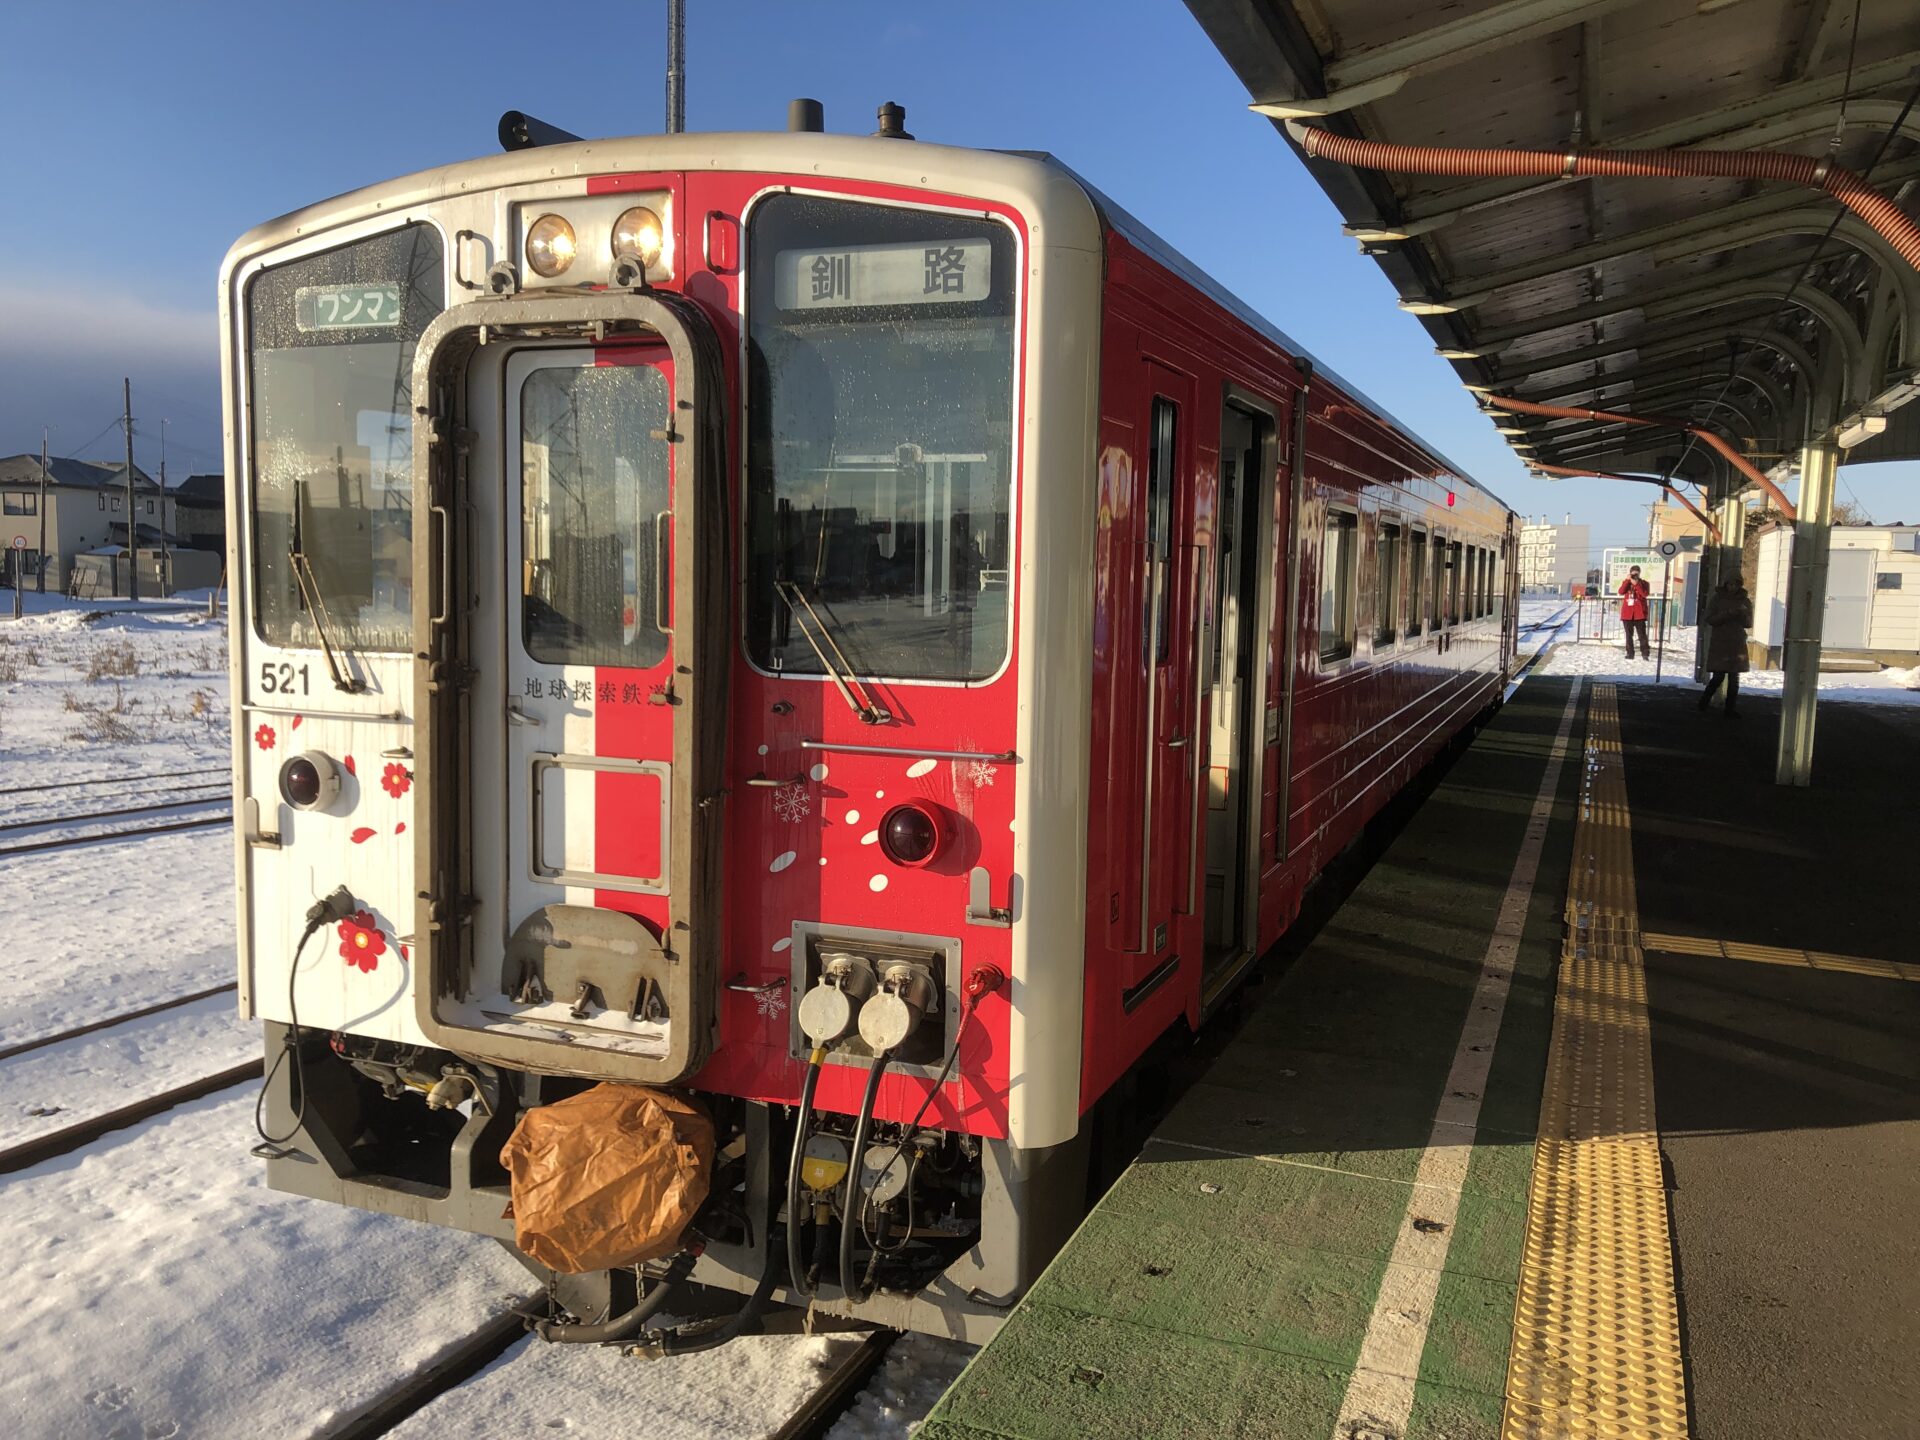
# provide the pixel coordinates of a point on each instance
(1223, 1286)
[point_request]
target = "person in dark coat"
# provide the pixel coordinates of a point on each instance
(1728, 618)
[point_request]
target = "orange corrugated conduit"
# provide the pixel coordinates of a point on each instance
(1877, 209)
(1653, 422)
(1692, 509)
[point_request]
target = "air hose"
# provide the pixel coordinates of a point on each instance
(800, 1273)
(629, 1323)
(854, 1199)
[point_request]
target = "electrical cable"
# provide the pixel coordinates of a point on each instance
(849, 1215)
(800, 1274)
(335, 906)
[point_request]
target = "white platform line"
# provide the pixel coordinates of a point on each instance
(1379, 1394)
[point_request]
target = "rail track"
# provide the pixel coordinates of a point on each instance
(115, 780)
(126, 832)
(45, 1041)
(828, 1401)
(82, 1133)
(203, 795)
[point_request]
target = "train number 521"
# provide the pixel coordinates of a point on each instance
(283, 679)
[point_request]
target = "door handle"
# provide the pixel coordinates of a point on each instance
(1178, 742)
(517, 716)
(662, 571)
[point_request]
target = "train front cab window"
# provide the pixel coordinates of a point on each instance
(331, 339)
(1233, 777)
(879, 439)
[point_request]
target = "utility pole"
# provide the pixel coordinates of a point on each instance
(133, 545)
(166, 570)
(676, 66)
(41, 586)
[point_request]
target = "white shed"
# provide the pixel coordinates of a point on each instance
(1873, 592)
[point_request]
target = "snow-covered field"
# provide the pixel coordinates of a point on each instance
(160, 1288)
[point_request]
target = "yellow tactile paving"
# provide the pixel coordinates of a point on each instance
(1777, 955)
(1596, 1328)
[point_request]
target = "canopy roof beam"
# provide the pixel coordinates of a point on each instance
(1381, 70)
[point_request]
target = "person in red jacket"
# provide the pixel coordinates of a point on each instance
(1633, 610)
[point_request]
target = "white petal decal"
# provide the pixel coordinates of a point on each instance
(785, 942)
(919, 768)
(781, 861)
(852, 817)
(870, 837)
(877, 884)
(879, 794)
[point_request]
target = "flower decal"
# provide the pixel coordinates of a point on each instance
(396, 780)
(361, 943)
(263, 737)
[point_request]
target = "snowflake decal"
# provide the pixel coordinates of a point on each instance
(979, 772)
(771, 1004)
(792, 803)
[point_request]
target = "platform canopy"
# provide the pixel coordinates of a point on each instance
(1729, 303)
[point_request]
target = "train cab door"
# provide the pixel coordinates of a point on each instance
(574, 500)
(1171, 581)
(1241, 601)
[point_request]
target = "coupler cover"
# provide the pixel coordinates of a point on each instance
(607, 1178)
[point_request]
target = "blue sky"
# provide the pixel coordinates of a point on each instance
(165, 130)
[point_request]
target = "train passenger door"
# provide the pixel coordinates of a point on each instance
(1171, 579)
(1234, 680)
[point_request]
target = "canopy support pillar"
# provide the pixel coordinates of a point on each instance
(1806, 610)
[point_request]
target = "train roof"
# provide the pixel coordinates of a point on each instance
(1143, 238)
(771, 149)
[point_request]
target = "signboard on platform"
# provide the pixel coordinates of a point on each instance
(1617, 561)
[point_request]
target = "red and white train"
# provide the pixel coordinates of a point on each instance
(852, 631)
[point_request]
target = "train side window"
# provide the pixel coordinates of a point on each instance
(1437, 607)
(1470, 585)
(1337, 545)
(1417, 583)
(1386, 626)
(1157, 619)
(1454, 562)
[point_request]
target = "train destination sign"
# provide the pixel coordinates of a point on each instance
(346, 307)
(938, 272)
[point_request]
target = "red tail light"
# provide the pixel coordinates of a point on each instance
(914, 834)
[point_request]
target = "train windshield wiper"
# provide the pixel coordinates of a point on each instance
(317, 607)
(810, 621)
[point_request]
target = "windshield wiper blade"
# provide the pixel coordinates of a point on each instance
(869, 710)
(322, 624)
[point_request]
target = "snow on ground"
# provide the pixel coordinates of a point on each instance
(916, 1373)
(738, 1392)
(114, 926)
(102, 929)
(1607, 660)
(87, 692)
(47, 1090)
(158, 1288)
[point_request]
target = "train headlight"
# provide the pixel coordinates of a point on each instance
(550, 246)
(914, 834)
(638, 233)
(310, 781)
